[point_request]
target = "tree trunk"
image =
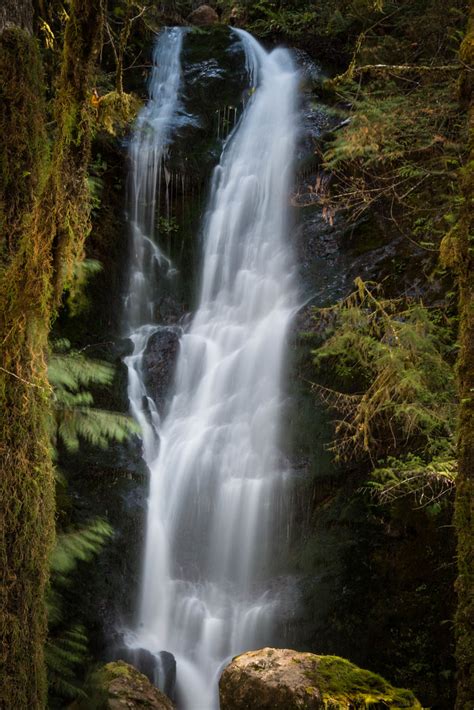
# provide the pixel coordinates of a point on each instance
(44, 207)
(457, 252)
(16, 14)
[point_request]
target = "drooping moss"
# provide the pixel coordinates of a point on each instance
(26, 486)
(457, 253)
(49, 220)
(344, 686)
(23, 157)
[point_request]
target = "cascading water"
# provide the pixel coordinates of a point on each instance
(148, 149)
(216, 477)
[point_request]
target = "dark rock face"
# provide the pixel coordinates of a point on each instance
(167, 671)
(159, 363)
(119, 685)
(203, 16)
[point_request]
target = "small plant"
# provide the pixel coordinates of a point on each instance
(168, 225)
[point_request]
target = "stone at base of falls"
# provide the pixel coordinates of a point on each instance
(203, 16)
(154, 665)
(119, 685)
(281, 679)
(139, 658)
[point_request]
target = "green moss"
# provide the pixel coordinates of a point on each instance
(22, 122)
(119, 684)
(48, 214)
(26, 482)
(117, 112)
(345, 686)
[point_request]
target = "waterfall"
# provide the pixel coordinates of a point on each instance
(153, 132)
(216, 477)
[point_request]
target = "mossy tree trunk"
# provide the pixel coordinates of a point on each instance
(458, 252)
(16, 14)
(44, 210)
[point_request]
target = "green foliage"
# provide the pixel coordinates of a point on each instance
(75, 546)
(269, 18)
(396, 389)
(65, 656)
(67, 645)
(399, 154)
(168, 225)
(428, 482)
(76, 294)
(72, 374)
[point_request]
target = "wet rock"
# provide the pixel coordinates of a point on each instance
(167, 671)
(279, 679)
(203, 16)
(159, 668)
(159, 363)
(119, 685)
(139, 658)
(311, 72)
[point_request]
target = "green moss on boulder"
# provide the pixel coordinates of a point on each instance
(344, 685)
(119, 685)
(281, 679)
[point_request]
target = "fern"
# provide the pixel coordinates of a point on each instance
(95, 426)
(75, 546)
(71, 374)
(67, 648)
(65, 656)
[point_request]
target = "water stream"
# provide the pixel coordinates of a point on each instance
(217, 482)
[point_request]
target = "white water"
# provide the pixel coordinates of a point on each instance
(216, 479)
(147, 154)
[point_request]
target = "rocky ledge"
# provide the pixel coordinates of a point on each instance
(281, 679)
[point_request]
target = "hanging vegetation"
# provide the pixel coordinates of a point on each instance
(50, 228)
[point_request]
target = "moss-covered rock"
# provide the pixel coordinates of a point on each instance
(282, 679)
(116, 112)
(203, 16)
(119, 685)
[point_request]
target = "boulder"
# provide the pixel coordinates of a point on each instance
(139, 658)
(159, 363)
(281, 679)
(119, 685)
(203, 16)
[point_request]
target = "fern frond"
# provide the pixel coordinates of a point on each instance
(65, 654)
(95, 426)
(79, 545)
